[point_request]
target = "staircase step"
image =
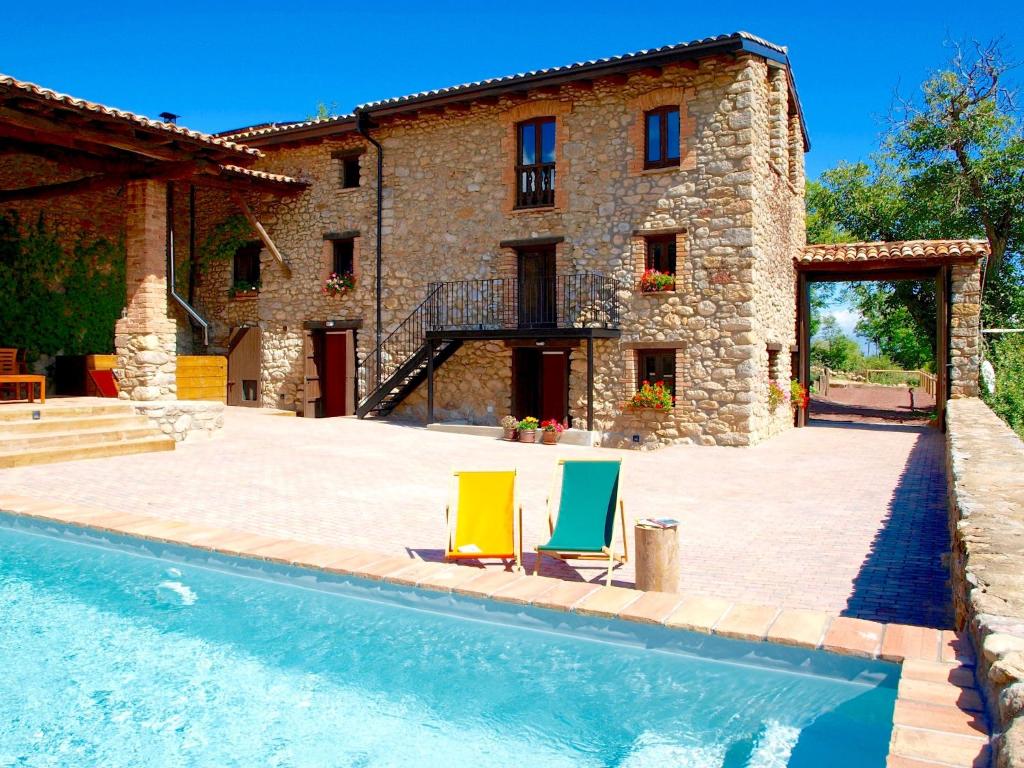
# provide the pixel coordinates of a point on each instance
(11, 429)
(17, 412)
(78, 437)
(48, 455)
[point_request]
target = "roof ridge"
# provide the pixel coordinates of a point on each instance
(51, 95)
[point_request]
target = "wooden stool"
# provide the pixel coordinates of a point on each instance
(657, 555)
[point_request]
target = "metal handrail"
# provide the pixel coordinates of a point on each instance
(583, 300)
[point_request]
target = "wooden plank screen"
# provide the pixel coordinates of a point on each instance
(203, 378)
(311, 376)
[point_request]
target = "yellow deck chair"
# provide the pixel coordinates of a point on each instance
(481, 517)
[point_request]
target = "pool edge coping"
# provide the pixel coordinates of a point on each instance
(937, 712)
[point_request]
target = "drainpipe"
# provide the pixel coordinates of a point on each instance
(363, 126)
(172, 290)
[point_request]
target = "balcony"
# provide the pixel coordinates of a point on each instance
(578, 305)
(536, 187)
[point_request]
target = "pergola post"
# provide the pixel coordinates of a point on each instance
(431, 349)
(145, 336)
(590, 383)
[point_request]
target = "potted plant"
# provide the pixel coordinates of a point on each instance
(339, 285)
(551, 430)
(508, 426)
(655, 396)
(776, 396)
(528, 430)
(798, 395)
(243, 289)
(653, 281)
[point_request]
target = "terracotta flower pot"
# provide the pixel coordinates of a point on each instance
(550, 437)
(508, 434)
(528, 436)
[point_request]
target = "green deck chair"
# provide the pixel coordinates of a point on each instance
(587, 507)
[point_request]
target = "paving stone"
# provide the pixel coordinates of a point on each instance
(565, 595)
(916, 714)
(805, 629)
(946, 749)
(698, 613)
(652, 607)
(746, 622)
(906, 642)
(943, 694)
(606, 601)
(854, 636)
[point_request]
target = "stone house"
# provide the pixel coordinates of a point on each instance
(537, 245)
(517, 219)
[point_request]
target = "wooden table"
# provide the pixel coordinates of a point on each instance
(26, 379)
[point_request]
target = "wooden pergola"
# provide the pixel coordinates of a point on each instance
(84, 147)
(954, 266)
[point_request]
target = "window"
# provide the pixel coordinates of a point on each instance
(661, 138)
(654, 365)
(246, 274)
(535, 163)
(350, 172)
(661, 254)
(344, 256)
(348, 168)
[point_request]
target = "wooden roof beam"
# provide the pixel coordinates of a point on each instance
(93, 183)
(255, 224)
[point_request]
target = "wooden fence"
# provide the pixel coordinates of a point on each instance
(925, 380)
(203, 378)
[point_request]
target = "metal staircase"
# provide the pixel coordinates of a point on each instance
(392, 372)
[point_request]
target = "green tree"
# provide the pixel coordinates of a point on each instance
(951, 166)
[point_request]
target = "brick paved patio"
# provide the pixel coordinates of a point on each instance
(847, 519)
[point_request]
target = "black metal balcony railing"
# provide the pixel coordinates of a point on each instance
(585, 300)
(535, 185)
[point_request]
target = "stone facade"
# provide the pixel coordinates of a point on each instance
(734, 204)
(985, 463)
(965, 329)
(145, 338)
(184, 420)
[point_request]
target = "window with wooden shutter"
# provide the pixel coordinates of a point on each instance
(656, 365)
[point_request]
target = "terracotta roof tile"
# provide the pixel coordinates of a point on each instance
(8, 83)
(899, 250)
(262, 175)
(398, 101)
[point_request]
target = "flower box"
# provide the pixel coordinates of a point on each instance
(653, 281)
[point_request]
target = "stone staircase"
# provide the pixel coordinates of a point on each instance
(85, 428)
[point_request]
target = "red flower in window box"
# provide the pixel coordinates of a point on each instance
(656, 396)
(653, 281)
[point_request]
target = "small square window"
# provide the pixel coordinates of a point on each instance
(661, 138)
(656, 365)
(661, 254)
(350, 172)
(246, 267)
(343, 262)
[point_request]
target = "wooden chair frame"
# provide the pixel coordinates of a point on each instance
(607, 553)
(451, 512)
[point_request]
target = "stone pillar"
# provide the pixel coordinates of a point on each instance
(965, 330)
(145, 336)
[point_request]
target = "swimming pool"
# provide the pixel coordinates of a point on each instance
(121, 652)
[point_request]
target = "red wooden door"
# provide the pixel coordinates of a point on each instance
(335, 374)
(554, 389)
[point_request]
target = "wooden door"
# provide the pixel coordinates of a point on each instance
(540, 383)
(244, 352)
(554, 385)
(311, 357)
(338, 386)
(537, 307)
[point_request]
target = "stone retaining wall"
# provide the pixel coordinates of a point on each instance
(986, 486)
(184, 419)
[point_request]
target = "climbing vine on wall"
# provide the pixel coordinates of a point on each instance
(224, 240)
(58, 294)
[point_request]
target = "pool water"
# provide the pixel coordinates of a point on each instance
(117, 652)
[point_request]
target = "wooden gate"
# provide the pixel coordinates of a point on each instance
(244, 352)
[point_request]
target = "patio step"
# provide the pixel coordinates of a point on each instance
(19, 412)
(67, 438)
(74, 430)
(51, 454)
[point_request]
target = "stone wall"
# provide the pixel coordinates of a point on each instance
(446, 209)
(184, 420)
(965, 329)
(985, 466)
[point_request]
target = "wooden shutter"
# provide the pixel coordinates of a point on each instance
(311, 376)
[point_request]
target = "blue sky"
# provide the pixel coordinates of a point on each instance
(226, 65)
